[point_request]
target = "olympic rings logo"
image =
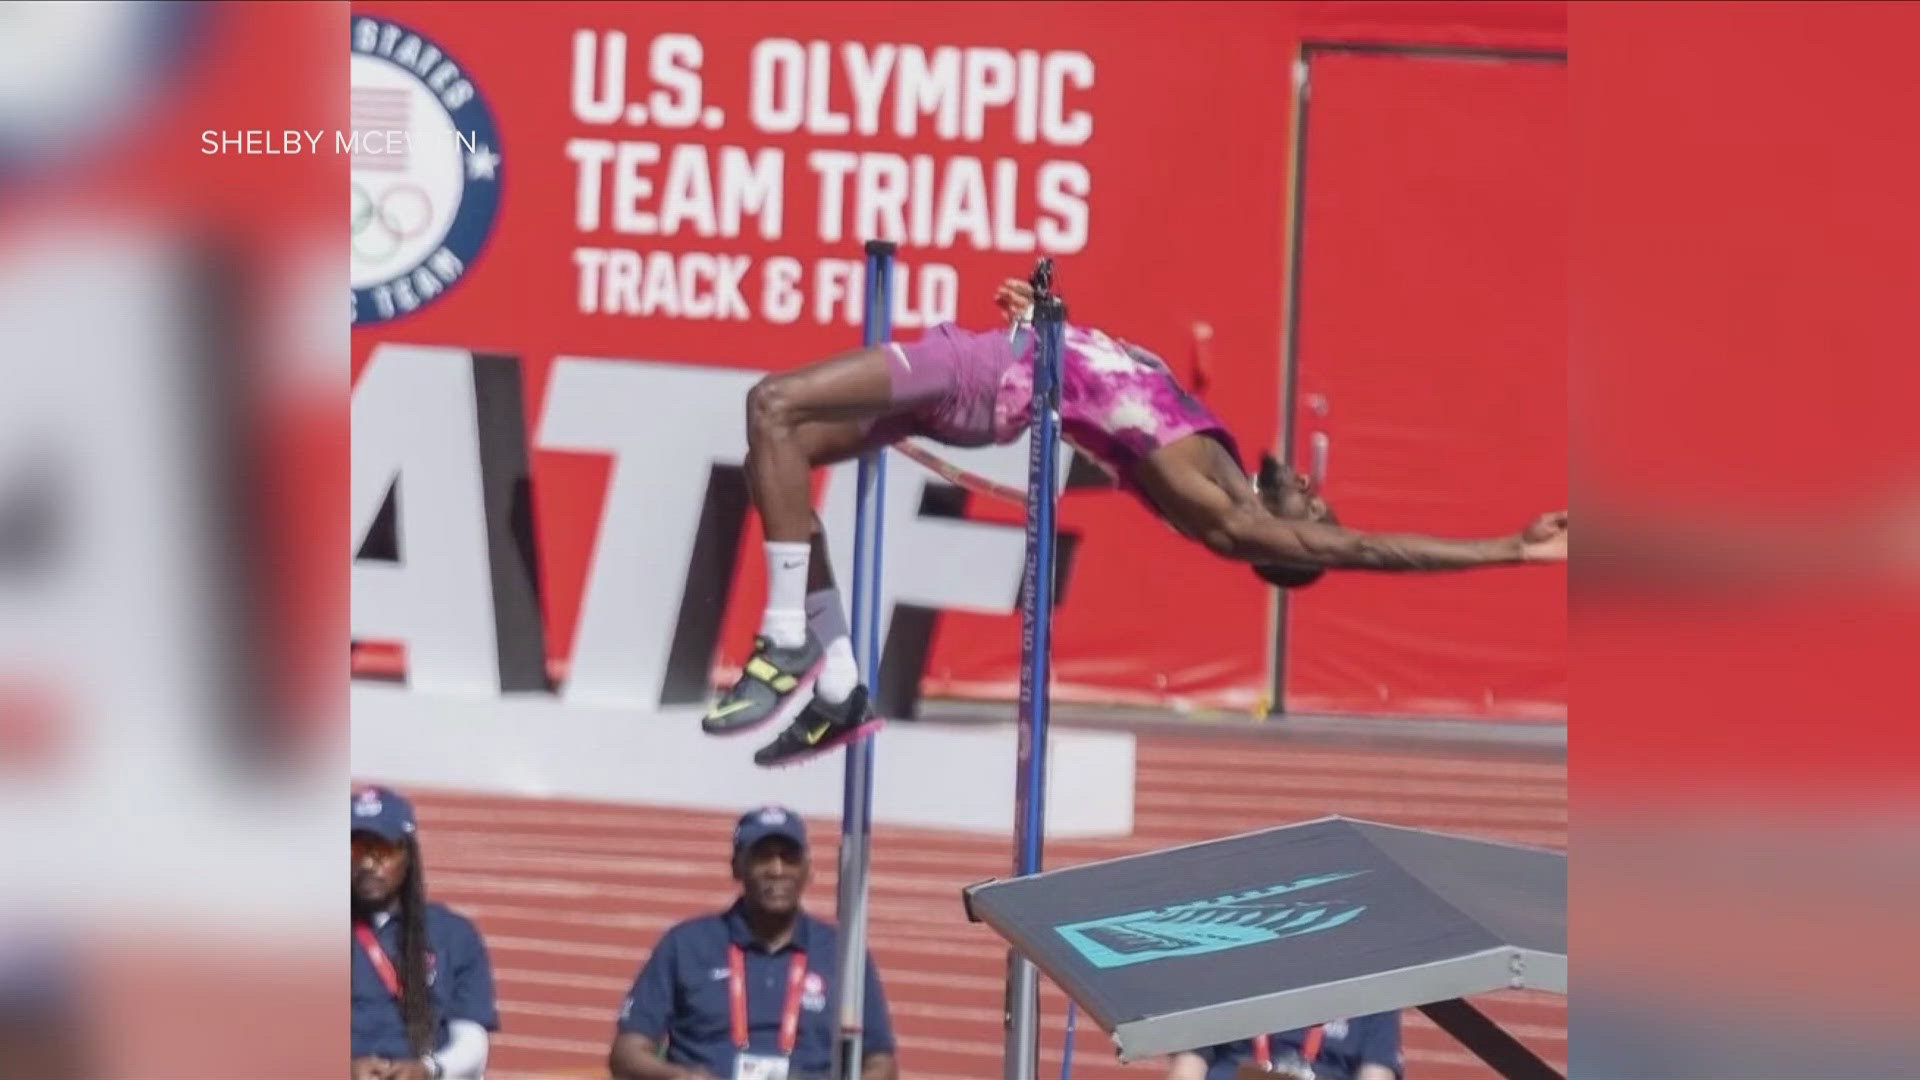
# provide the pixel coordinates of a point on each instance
(381, 225)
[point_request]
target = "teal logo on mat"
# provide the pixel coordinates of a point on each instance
(1233, 921)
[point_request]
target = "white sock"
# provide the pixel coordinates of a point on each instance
(785, 622)
(839, 675)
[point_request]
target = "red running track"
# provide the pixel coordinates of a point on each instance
(571, 896)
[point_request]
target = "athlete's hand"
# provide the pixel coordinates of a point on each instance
(1546, 539)
(1014, 297)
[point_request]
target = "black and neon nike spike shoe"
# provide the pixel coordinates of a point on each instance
(820, 727)
(773, 686)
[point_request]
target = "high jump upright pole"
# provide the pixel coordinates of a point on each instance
(856, 836)
(1036, 647)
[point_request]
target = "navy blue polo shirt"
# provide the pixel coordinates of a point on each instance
(1345, 1046)
(457, 969)
(681, 997)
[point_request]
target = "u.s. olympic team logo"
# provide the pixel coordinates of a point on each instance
(426, 171)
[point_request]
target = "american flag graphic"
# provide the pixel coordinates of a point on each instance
(376, 111)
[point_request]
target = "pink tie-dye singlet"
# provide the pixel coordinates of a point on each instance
(1118, 402)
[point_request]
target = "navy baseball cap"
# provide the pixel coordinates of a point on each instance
(383, 812)
(767, 821)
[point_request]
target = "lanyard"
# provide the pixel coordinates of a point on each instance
(381, 965)
(789, 1015)
(1309, 1050)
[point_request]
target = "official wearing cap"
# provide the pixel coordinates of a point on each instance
(422, 984)
(747, 994)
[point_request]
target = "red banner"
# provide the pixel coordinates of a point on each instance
(688, 186)
(1432, 369)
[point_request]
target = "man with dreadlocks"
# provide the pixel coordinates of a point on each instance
(422, 984)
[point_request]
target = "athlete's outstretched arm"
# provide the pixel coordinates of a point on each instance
(1252, 536)
(1201, 491)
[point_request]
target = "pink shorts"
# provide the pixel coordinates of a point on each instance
(1118, 402)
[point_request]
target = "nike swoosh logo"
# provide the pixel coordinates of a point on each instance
(729, 710)
(814, 736)
(793, 565)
